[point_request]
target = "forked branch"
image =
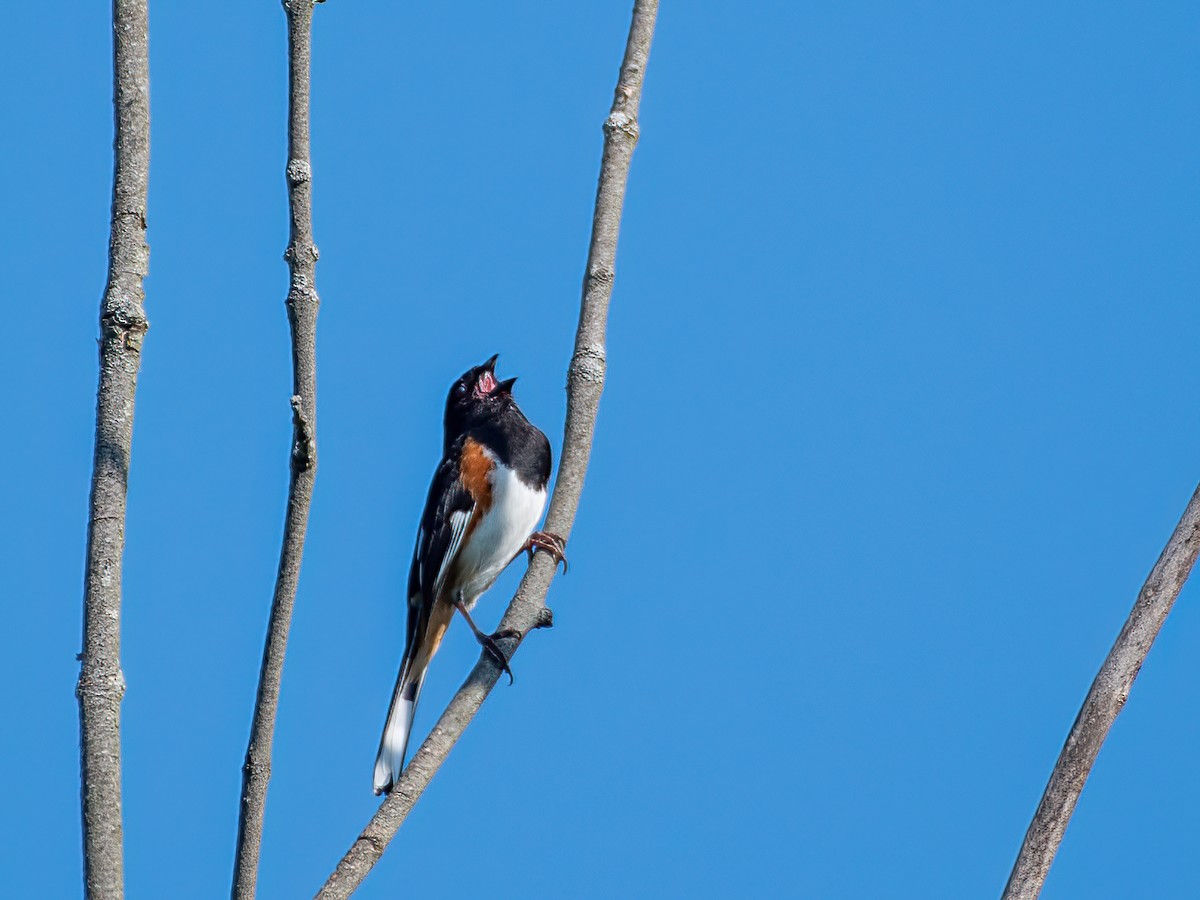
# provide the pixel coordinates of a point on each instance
(585, 381)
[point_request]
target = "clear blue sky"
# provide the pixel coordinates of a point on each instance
(901, 410)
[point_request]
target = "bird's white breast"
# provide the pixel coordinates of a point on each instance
(501, 532)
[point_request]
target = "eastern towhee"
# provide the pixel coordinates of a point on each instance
(486, 497)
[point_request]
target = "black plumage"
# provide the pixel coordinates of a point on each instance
(486, 497)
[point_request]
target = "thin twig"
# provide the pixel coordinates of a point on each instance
(1104, 701)
(302, 303)
(122, 327)
(585, 381)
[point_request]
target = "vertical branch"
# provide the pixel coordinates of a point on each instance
(585, 382)
(1104, 702)
(302, 303)
(122, 327)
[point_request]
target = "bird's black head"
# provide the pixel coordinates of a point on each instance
(476, 397)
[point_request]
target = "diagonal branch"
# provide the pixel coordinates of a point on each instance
(585, 381)
(122, 327)
(1104, 701)
(302, 303)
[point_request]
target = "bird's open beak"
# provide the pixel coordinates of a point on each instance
(486, 383)
(505, 386)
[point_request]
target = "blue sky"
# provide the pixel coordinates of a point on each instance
(899, 416)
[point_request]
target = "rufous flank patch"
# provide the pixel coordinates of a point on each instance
(474, 470)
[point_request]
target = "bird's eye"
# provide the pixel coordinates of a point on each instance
(460, 389)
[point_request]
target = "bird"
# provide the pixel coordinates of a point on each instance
(486, 498)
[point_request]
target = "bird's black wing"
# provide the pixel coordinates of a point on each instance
(448, 510)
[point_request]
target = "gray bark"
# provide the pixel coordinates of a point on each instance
(122, 327)
(585, 381)
(302, 303)
(1104, 702)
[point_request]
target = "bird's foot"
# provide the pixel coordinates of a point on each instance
(488, 642)
(548, 542)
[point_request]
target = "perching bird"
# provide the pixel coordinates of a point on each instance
(486, 497)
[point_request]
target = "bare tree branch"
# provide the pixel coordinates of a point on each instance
(302, 303)
(122, 327)
(1104, 701)
(585, 381)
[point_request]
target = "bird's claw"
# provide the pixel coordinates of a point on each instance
(548, 542)
(488, 642)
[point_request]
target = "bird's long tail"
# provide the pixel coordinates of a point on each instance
(425, 639)
(394, 743)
